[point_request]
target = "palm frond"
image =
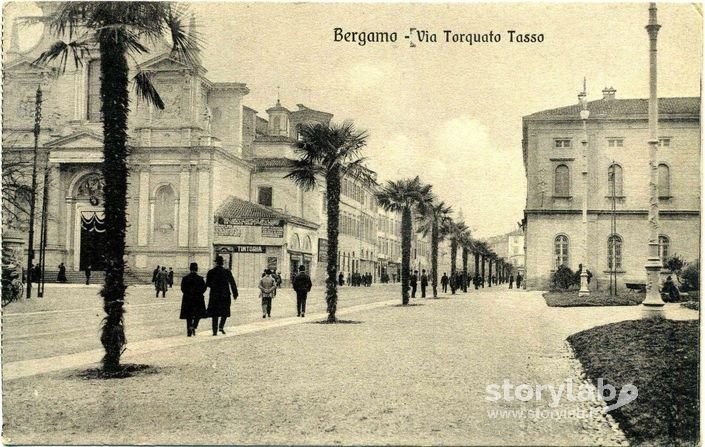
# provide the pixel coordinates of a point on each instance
(61, 51)
(304, 173)
(185, 42)
(144, 88)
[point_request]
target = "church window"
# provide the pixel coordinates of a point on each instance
(560, 246)
(164, 215)
(614, 252)
(664, 181)
(264, 195)
(562, 181)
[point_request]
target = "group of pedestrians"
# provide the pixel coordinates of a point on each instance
(356, 279)
(163, 280)
(414, 280)
(223, 290)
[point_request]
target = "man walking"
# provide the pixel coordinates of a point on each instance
(171, 278)
(267, 287)
(444, 282)
(221, 283)
(424, 283)
(193, 305)
(511, 281)
(519, 278)
(412, 280)
(88, 274)
(302, 285)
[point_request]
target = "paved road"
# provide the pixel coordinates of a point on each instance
(415, 375)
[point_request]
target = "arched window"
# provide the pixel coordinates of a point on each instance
(614, 252)
(560, 246)
(562, 181)
(93, 92)
(664, 181)
(164, 215)
(307, 244)
(614, 181)
(663, 247)
(276, 125)
(295, 243)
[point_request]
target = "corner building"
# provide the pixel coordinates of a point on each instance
(618, 188)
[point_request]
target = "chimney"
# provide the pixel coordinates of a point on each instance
(608, 93)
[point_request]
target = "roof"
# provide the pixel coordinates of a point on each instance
(235, 208)
(613, 108)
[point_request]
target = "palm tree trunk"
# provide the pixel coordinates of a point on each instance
(405, 254)
(453, 255)
(465, 269)
(490, 273)
(333, 210)
(115, 108)
(434, 258)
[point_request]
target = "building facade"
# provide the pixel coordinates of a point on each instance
(615, 236)
(206, 177)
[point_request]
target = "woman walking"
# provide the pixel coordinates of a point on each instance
(193, 305)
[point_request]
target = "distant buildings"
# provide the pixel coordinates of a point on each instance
(617, 166)
(510, 246)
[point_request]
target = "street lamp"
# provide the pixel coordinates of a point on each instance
(653, 304)
(584, 115)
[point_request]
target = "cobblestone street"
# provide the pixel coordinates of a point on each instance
(415, 375)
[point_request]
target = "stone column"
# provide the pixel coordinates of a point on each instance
(204, 199)
(184, 195)
(143, 208)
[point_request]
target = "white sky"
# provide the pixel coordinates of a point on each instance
(450, 113)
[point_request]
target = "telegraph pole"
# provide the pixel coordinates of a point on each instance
(37, 128)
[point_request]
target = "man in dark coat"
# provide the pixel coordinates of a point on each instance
(155, 272)
(221, 282)
(519, 278)
(88, 274)
(193, 305)
(424, 283)
(444, 283)
(341, 279)
(171, 278)
(413, 280)
(302, 285)
(61, 277)
(511, 281)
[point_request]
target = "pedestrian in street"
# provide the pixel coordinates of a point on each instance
(61, 276)
(444, 283)
(413, 279)
(171, 278)
(277, 277)
(341, 279)
(453, 281)
(511, 281)
(88, 274)
(193, 304)
(162, 283)
(476, 281)
(155, 272)
(221, 283)
(302, 285)
(519, 278)
(267, 289)
(424, 283)
(37, 274)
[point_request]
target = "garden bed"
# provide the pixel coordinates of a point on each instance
(597, 298)
(660, 358)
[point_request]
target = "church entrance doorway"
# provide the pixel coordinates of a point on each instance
(93, 238)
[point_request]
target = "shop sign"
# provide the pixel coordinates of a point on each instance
(273, 232)
(249, 248)
(227, 230)
(271, 262)
(250, 221)
(322, 250)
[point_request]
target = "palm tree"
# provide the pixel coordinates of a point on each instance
(433, 219)
(403, 196)
(118, 30)
(465, 242)
(457, 230)
(327, 154)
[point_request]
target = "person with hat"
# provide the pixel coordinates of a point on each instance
(302, 285)
(267, 289)
(221, 283)
(193, 305)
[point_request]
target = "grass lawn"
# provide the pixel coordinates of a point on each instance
(596, 298)
(659, 357)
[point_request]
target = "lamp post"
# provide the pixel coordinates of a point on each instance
(30, 242)
(584, 115)
(653, 304)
